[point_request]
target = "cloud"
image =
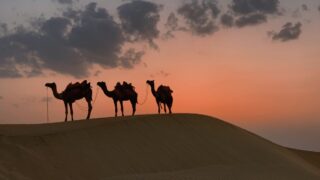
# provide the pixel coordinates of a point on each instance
(172, 25)
(253, 12)
(130, 58)
(252, 19)
(319, 8)
(245, 7)
(304, 7)
(68, 45)
(3, 29)
(298, 12)
(172, 22)
(16, 58)
(97, 73)
(27, 53)
(288, 32)
(227, 20)
(200, 16)
(160, 73)
(55, 26)
(1, 97)
(139, 20)
(63, 1)
(97, 36)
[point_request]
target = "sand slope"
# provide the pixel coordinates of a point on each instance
(310, 156)
(180, 146)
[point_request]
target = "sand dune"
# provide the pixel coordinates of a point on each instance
(180, 146)
(310, 156)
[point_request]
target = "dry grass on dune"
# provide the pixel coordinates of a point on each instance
(179, 146)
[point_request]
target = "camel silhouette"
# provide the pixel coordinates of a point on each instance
(162, 95)
(124, 92)
(72, 93)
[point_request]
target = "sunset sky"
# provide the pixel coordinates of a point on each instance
(253, 63)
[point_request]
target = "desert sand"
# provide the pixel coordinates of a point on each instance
(178, 146)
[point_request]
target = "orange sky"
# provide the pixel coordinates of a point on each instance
(245, 85)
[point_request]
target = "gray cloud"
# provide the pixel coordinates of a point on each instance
(227, 20)
(172, 22)
(252, 19)
(200, 16)
(298, 12)
(131, 58)
(69, 45)
(63, 1)
(139, 20)
(245, 7)
(172, 25)
(304, 7)
(17, 58)
(97, 73)
(55, 26)
(253, 12)
(319, 8)
(97, 36)
(3, 29)
(160, 73)
(288, 32)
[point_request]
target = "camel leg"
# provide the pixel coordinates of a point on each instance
(170, 105)
(71, 111)
(115, 108)
(133, 104)
(66, 111)
(158, 103)
(121, 104)
(89, 108)
(165, 108)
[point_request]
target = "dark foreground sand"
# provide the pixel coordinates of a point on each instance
(181, 146)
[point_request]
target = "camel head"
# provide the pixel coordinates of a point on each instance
(51, 85)
(150, 82)
(101, 84)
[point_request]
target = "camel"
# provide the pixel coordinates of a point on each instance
(124, 92)
(72, 93)
(162, 95)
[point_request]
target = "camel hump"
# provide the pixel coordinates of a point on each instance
(83, 85)
(165, 89)
(127, 85)
(124, 86)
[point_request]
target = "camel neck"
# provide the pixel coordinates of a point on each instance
(153, 90)
(55, 93)
(106, 91)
